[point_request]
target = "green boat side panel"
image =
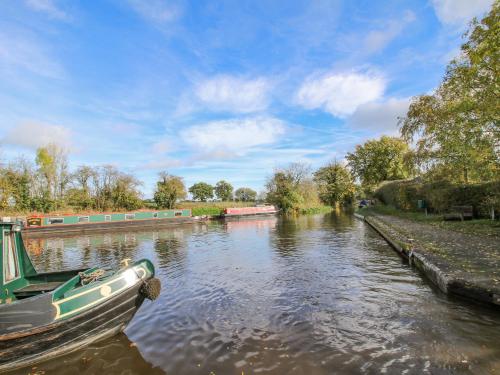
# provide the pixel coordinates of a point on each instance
(114, 217)
(71, 298)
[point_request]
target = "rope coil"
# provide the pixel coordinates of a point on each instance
(87, 278)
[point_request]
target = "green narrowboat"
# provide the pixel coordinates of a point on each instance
(97, 221)
(44, 315)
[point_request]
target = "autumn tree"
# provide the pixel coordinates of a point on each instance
(384, 159)
(289, 187)
(224, 190)
(202, 191)
(457, 128)
(335, 184)
(169, 189)
(52, 162)
(245, 194)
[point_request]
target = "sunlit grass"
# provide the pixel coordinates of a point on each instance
(475, 226)
(211, 208)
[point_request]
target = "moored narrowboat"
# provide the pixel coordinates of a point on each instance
(96, 221)
(44, 315)
(237, 212)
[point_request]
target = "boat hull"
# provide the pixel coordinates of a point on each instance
(56, 339)
(106, 226)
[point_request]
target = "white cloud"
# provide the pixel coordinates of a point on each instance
(155, 10)
(460, 11)
(233, 136)
(35, 134)
(380, 117)
(48, 7)
(21, 51)
(233, 94)
(377, 40)
(340, 93)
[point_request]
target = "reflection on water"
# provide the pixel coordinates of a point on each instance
(308, 295)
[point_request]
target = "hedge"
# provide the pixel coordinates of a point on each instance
(440, 196)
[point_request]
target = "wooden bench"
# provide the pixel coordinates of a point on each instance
(460, 213)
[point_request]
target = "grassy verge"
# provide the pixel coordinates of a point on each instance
(211, 208)
(476, 226)
(314, 210)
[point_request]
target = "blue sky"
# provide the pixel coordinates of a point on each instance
(212, 90)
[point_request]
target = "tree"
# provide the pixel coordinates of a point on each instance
(202, 191)
(125, 192)
(245, 195)
(291, 187)
(52, 162)
(282, 191)
(169, 190)
(387, 158)
(335, 184)
(113, 189)
(80, 195)
(224, 190)
(457, 128)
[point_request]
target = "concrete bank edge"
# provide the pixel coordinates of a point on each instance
(445, 283)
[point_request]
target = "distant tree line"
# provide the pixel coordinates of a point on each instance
(47, 185)
(171, 189)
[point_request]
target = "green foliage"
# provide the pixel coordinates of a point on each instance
(312, 210)
(79, 199)
(224, 190)
(335, 184)
(245, 195)
(202, 191)
(441, 196)
(387, 158)
(282, 191)
(53, 169)
(125, 194)
(457, 129)
(169, 190)
(293, 190)
(211, 208)
(209, 211)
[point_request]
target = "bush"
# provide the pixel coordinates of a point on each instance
(440, 196)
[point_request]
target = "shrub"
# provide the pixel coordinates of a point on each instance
(440, 196)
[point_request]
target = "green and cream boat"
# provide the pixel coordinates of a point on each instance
(44, 315)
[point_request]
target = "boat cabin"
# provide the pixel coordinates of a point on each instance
(19, 278)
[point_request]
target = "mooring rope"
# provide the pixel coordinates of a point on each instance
(87, 278)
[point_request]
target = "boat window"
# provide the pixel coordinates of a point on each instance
(83, 219)
(107, 217)
(129, 216)
(56, 220)
(155, 214)
(178, 213)
(10, 262)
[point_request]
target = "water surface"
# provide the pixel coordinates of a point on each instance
(310, 295)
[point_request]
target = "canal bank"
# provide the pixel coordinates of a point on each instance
(460, 264)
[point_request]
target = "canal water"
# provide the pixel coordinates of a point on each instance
(309, 295)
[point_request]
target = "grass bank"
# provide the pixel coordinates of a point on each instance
(312, 210)
(211, 208)
(485, 227)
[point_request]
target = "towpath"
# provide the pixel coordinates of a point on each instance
(464, 264)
